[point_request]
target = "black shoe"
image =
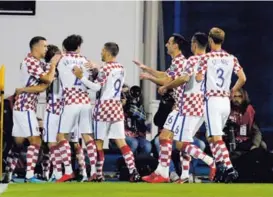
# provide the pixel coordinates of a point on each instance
(231, 175)
(135, 177)
(220, 173)
(6, 179)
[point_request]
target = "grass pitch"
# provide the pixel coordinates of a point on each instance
(118, 189)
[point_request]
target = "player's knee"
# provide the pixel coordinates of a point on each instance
(99, 144)
(35, 140)
(179, 145)
(166, 135)
(19, 142)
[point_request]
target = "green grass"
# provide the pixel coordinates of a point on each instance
(138, 189)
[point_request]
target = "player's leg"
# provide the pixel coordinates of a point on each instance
(100, 132)
(68, 120)
(117, 132)
(51, 123)
(86, 131)
(74, 137)
(215, 108)
(165, 141)
(12, 158)
(185, 134)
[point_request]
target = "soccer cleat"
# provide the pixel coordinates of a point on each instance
(149, 178)
(7, 178)
(174, 177)
(212, 172)
(220, 172)
(33, 180)
(181, 181)
(232, 175)
(82, 178)
(65, 177)
(135, 177)
(93, 178)
(160, 179)
(100, 178)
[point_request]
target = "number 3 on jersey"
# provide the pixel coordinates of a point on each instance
(220, 73)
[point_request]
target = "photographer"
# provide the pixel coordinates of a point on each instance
(135, 116)
(244, 139)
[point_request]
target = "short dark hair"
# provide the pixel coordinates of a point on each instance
(201, 39)
(35, 40)
(51, 51)
(112, 48)
(72, 42)
(179, 40)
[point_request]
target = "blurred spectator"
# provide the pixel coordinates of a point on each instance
(248, 152)
(134, 122)
(242, 131)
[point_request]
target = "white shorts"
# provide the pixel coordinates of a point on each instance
(76, 115)
(183, 127)
(111, 130)
(25, 124)
(217, 110)
(51, 122)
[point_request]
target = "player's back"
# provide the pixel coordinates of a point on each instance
(108, 106)
(111, 89)
(74, 92)
(220, 65)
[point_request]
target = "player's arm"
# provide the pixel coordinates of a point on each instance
(49, 76)
(151, 71)
(32, 89)
(159, 81)
(174, 84)
(240, 81)
(238, 70)
(78, 72)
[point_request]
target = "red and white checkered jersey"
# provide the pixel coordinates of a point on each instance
(108, 106)
(31, 70)
(217, 66)
(177, 67)
(54, 95)
(74, 92)
(193, 95)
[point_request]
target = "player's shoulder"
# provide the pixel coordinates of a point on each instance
(179, 60)
(30, 60)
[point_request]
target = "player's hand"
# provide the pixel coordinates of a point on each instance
(55, 59)
(144, 76)
(90, 65)
(141, 66)
(77, 72)
(162, 90)
(199, 77)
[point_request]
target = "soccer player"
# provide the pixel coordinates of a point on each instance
(108, 112)
(52, 116)
(77, 106)
(174, 49)
(216, 69)
(191, 113)
(24, 110)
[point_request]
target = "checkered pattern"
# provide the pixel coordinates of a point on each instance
(34, 70)
(192, 105)
(73, 55)
(81, 159)
(12, 160)
(100, 162)
(75, 96)
(54, 107)
(165, 152)
(128, 158)
(177, 67)
(218, 93)
(55, 157)
(108, 111)
(32, 156)
(65, 151)
(105, 71)
(185, 160)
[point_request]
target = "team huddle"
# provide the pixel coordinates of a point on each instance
(201, 87)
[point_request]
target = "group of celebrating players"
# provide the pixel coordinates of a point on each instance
(201, 91)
